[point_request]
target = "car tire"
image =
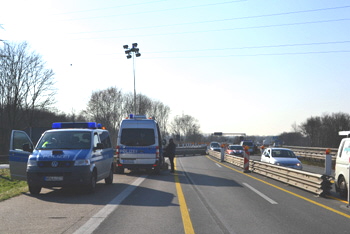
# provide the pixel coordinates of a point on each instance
(34, 190)
(157, 170)
(91, 187)
(343, 190)
(109, 179)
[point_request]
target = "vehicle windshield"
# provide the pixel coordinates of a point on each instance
(236, 147)
(137, 137)
(283, 154)
(215, 145)
(65, 140)
(248, 143)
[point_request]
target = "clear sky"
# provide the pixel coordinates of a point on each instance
(256, 67)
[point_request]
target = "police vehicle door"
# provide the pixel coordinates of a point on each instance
(97, 157)
(20, 148)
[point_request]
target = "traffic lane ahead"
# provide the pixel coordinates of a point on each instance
(154, 207)
(255, 204)
(58, 211)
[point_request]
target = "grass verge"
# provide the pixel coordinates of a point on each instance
(10, 188)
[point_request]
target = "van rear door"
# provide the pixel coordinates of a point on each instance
(20, 148)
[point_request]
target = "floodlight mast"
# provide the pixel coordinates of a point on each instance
(133, 51)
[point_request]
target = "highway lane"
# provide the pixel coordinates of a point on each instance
(219, 198)
(222, 199)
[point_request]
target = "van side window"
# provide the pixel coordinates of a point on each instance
(19, 140)
(96, 139)
(346, 149)
(340, 151)
(105, 139)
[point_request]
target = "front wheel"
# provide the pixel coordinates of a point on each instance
(34, 190)
(343, 190)
(91, 187)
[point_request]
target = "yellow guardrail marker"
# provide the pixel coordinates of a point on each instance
(186, 219)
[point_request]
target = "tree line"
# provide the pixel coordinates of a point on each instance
(27, 99)
(27, 102)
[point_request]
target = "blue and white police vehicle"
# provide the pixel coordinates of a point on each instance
(70, 154)
(139, 145)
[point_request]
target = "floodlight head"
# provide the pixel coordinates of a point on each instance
(125, 46)
(137, 50)
(134, 45)
(129, 56)
(138, 55)
(127, 51)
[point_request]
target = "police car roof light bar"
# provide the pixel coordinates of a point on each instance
(91, 125)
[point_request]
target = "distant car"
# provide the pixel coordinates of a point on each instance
(236, 150)
(281, 157)
(215, 146)
(250, 144)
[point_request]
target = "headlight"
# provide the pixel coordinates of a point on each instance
(82, 162)
(32, 162)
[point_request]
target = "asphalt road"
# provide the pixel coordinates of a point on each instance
(203, 196)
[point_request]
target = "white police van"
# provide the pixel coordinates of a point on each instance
(70, 154)
(139, 145)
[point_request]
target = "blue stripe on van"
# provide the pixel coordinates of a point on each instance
(137, 150)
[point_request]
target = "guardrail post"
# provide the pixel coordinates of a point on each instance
(222, 154)
(246, 160)
(328, 163)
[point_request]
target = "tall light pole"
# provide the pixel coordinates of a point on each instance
(134, 50)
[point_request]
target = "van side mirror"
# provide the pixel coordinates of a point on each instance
(99, 146)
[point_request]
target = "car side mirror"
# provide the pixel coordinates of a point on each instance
(99, 146)
(26, 147)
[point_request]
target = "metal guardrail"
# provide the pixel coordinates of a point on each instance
(315, 183)
(312, 153)
(193, 150)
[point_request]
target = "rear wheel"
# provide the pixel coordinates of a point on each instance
(119, 170)
(35, 190)
(109, 179)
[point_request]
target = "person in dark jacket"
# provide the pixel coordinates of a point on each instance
(170, 152)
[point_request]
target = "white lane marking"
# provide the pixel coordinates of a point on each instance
(260, 194)
(217, 164)
(91, 225)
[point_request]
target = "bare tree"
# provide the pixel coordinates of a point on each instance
(106, 107)
(186, 127)
(26, 85)
(323, 131)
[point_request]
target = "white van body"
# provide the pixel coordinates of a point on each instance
(139, 145)
(342, 164)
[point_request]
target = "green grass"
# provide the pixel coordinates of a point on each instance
(10, 188)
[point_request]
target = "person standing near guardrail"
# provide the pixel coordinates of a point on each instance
(170, 152)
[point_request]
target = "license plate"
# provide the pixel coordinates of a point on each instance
(128, 161)
(53, 178)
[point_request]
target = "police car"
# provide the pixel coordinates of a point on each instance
(139, 145)
(70, 154)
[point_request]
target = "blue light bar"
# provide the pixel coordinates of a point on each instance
(91, 125)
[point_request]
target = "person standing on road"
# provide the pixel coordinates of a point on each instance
(170, 152)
